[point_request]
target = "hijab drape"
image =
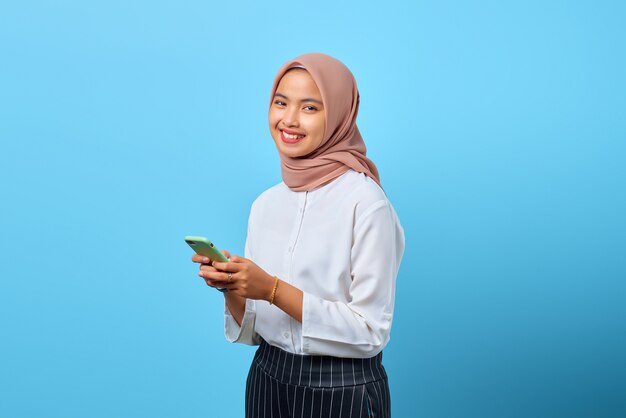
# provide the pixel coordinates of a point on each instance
(342, 147)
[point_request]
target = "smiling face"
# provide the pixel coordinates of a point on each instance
(296, 117)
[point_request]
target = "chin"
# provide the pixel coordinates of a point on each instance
(291, 153)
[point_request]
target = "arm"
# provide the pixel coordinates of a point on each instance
(289, 298)
(359, 327)
(239, 313)
(236, 305)
(249, 281)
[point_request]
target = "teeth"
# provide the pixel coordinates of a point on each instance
(289, 136)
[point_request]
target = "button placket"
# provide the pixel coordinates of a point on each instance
(298, 223)
(302, 199)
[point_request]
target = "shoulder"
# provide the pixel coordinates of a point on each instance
(373, 213)
(371, 209)
(362, 188)
(362, 193)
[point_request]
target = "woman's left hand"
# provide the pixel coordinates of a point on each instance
(242, 277)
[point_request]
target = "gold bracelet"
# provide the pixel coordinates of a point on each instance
(274, 291)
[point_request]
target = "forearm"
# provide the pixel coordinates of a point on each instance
(236, 305)
(289, 299)
(351, 329)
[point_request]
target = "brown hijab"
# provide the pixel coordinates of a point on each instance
(342, 147)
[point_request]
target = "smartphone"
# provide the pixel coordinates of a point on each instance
(204, 247)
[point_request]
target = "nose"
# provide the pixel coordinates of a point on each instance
(291, 117)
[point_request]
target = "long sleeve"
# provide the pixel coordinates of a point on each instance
(245, 333)
(360, 326)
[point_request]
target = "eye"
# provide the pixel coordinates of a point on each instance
(310, 108)
(279, 102)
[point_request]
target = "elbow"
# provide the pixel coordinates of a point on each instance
(377, 340)
(375, 335)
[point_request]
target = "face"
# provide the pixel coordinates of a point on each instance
(296, 117)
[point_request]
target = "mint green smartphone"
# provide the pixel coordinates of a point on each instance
(204, 247)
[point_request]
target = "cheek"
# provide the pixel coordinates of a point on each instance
(273, 118)
(318, 126)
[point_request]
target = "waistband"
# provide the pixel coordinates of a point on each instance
(318, 371)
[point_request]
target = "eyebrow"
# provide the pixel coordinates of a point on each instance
(306, 99)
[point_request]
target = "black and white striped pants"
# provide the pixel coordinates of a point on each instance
(285, 385)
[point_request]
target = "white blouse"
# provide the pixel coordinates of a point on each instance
(341, 244)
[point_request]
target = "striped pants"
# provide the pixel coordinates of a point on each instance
(285, 385)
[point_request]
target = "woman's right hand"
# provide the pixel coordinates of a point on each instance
(205, 264)
(236, 304)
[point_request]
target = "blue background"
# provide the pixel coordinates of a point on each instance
(499, 131)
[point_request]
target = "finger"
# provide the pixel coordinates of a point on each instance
(217, 276)
(207, 267)
(221, 288)
(224, 284)
(197, 258)
(226, 266)
(219, 284)
(237, 259)
(212, 283)
(226, 253)
(208, 275)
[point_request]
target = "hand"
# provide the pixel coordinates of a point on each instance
(241, 277)
(205, 265)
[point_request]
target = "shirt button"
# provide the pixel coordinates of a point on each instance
(286, 334)
(290, 248)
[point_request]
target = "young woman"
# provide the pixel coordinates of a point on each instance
(317, 285)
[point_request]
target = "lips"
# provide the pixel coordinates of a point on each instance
(290, 137)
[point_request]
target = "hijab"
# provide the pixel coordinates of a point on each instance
(342, 147)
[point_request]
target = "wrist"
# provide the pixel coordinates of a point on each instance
(272, 296)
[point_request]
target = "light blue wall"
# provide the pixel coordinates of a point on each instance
(498, 128)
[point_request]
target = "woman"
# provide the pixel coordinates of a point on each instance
(316, 287)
